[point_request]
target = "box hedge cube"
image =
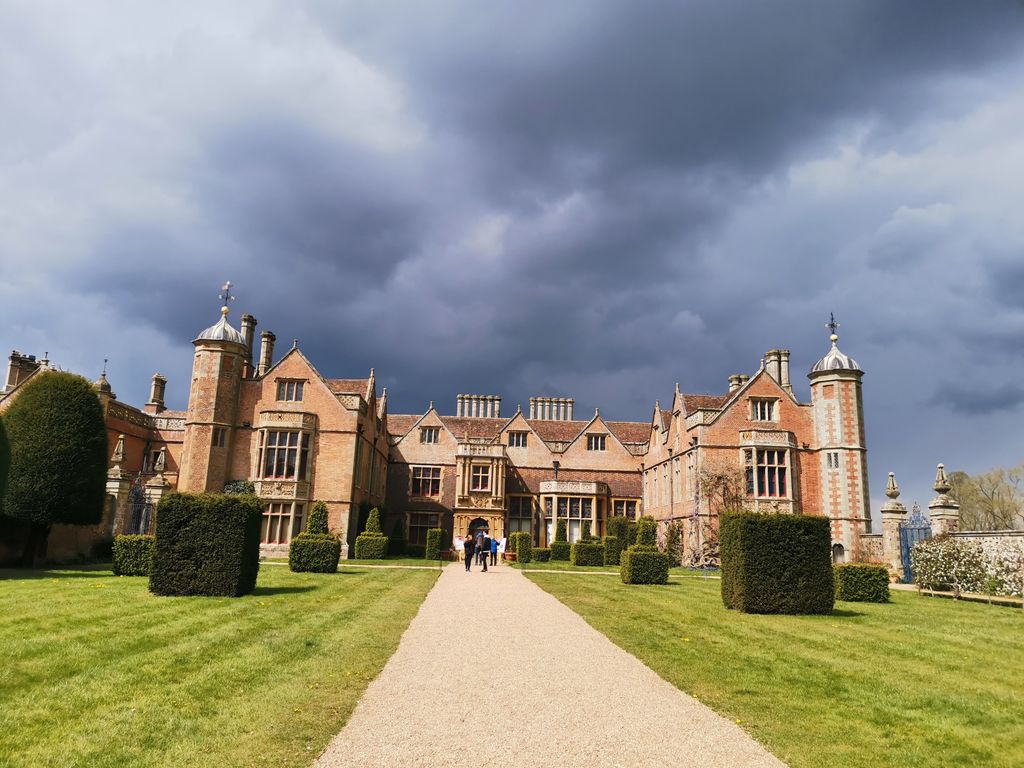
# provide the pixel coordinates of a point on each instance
(133, 555)
(776, 563)
(862, 582)
(206, 544)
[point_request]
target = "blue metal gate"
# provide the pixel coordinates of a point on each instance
(917, 527)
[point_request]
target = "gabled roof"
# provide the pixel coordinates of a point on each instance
(694, 402)
(630, 431)
(552, 431)
(348, 386)
(399, 424)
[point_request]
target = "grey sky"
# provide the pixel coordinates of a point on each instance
(583, 198)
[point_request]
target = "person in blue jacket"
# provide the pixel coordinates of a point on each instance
(494, 551)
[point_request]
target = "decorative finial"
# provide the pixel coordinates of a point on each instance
(832, 325)
(891, 489)
(226, 297)
(942, 485)
(104, 373)
(431, 406)
(295, 343)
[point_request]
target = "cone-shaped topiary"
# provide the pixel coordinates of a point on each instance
(373, 522)
(560, 531)
(371, 544)
(58, 457)
(585, 531)
(317, 523)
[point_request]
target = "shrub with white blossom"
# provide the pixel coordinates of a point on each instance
(991, 567)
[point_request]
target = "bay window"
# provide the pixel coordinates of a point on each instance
(766, 472)
(283, 455)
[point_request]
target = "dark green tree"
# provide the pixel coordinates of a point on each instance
(58, 458)
(5, 461)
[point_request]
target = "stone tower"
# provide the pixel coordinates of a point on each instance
(842, 452)
(217, 370)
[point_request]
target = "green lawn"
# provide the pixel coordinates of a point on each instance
(97, 672)
(565, 565)
(917, 682)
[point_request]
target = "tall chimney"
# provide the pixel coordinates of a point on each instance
(744, 378)
(570, 408)
(458, 405)
(533, 407)
(735, 382)
(497, 406)
(156, 394)
(784, 370)
(248, 333)
(772, 364)
(267, 340)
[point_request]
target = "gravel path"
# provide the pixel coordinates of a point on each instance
(558, 693)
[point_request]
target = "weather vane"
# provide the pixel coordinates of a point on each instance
(832, 325)
(104, 366)
(225, 296)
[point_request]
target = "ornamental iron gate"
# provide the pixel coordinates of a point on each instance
(141, 510)
(917, 527)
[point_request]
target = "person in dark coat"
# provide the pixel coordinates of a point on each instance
(486, 550)
(468, 547)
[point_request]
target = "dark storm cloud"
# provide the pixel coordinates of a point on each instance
(592, 199)
(979, 399)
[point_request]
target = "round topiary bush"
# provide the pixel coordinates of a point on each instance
(315, 550)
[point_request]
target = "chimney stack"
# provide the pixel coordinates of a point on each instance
(773, 364)
(156, 394)
(784, 370)
(735, 382)
(248, 333)
(551, 408)
(266, 352)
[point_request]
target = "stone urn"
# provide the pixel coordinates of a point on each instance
(510, 557)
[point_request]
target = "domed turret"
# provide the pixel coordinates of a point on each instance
(221, 331)
(836, 359)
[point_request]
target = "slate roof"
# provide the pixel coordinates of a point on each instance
(693, 402)
(348, 386)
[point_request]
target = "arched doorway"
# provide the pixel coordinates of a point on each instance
(479, 524)
(838, 553)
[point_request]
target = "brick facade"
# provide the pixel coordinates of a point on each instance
(754, 446)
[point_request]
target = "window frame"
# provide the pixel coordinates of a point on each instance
(597, 441)
(430, 435)
(277, 461)
(518, 438)
(764, 409)
(275, 515)
(418, 522)
(290, 390)
(480, 473)
(429, 478)
(766, 472)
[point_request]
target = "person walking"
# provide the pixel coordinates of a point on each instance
(479, 547)
(485, 549)
(468, 547)
(494, 551)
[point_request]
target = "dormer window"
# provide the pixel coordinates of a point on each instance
(763, 409)
(430, 435)
(595, 442)
(289, 391)
(517, 439)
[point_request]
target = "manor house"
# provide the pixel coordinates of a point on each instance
(275, 421)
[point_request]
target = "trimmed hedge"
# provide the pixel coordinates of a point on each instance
(433, 548)
(522, 544)
(317, 522)
(630, 534)
(314, 553)
(560, 550)
(133, 555)
(643, 565)
(585, 534)
(371, 546)
(206, 544)
(612, 550)
(861, 582)
(587, 553)
(542, 554)
(416, 550)
(646, 532)
(776, 563)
